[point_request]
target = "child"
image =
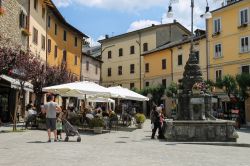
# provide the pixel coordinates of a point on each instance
(59, 127)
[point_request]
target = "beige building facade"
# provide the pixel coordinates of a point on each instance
(121, 55)
(37, 28)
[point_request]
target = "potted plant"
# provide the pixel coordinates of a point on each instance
(25, 31)
(97, 123)
(140, 119)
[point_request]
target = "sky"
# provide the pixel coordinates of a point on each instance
(96, 18)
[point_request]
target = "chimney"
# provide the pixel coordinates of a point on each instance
(153, 25)
(106, 36)
(175, 20)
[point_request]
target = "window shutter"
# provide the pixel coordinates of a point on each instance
(20, 19)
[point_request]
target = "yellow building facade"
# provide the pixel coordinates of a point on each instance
(228, 41)
(64, 43)
(121, 55)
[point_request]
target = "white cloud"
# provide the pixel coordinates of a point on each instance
(120, 5)
(62, 3)
(141, 24)
(93, 42)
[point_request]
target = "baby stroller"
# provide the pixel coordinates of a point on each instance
(70, 131)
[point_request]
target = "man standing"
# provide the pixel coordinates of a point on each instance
(155, 119)
(50, 109)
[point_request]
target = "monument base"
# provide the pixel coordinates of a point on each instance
(201, 131)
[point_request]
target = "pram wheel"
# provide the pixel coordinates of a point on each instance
(66, 139)
(78, 139)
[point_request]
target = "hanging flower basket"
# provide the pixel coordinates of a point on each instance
(25, 32)
(2, 11)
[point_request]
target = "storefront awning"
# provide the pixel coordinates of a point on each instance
(15, 83)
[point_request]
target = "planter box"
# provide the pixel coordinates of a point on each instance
(98, 130)
(42, 126)
(140, 125)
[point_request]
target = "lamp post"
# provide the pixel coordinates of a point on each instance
(192, 72)
(207, 15)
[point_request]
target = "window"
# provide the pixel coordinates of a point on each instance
(244, 16)
(109, 72)
(87, 65)
(49, 45)
(132, 49)
(55, 29)
(146, 84)
(119, 70)
(120, 52)
(75, 41)
(164, 82)
(96, 69)
(132, 68)
(163, 64)
(55, 52)
(217, 25)
(49, 21)
(64, 55)
(245, 69)
(23, 20)
(35, 35)
(147, 67)
(64, 35)
(75, 60)
(109, 54)
(132, 85)
(218, 74)
(43, 12)
(0, 3)
(197, 56)
(43, 42)
(145, 47)
(244, 45)
(35, 4)
(217, 51)
(179, 60)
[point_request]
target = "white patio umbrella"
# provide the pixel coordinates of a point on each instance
(126, 94)
(79, 89)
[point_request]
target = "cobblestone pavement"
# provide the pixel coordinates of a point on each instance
(118, 148)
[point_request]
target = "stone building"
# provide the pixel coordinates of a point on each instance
(13, 18)
(14, 33)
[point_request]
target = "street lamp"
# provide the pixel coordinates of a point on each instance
(207, 15)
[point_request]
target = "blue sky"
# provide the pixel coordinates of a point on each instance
(96, 18)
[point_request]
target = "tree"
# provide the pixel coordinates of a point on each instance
(156, 91)
(243, 81)
(228, 84)
(172, 90)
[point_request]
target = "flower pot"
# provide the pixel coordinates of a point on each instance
(25, 32)
(98, 130)
(140, 125)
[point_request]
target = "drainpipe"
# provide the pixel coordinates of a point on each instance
(207, 56)
(28, 24)
(139, 43)
(172, 67)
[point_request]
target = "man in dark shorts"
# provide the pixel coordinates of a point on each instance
(50, 109)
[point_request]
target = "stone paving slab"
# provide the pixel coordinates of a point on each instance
(118, 148)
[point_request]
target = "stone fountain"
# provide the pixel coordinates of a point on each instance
(194, 116)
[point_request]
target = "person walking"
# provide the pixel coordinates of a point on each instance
(50, 108)
(155, 120)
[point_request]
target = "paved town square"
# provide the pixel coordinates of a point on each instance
(124, 148)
